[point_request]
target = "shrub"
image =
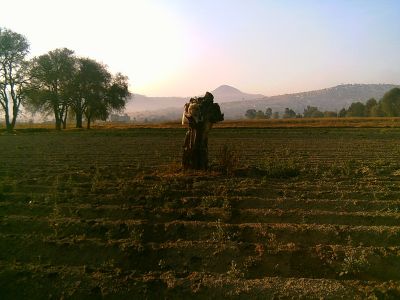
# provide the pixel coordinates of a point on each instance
(281, 168)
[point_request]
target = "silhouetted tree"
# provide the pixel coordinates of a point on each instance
(250, 114)
(50, 86)
(96, 93)
(13, 77)
(342, 113)
(312, 112)
(268, 113)
(288, 113)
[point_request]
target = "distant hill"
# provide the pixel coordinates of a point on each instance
(234, 103)
(224, 93)
(334, 99)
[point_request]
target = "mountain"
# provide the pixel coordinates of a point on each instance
(224, 93)
(139, 103)
(333, 99)
(234, 103)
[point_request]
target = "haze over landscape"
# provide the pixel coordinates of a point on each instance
(184, 48)
(140, 138)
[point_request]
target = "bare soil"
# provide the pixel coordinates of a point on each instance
(306, 213)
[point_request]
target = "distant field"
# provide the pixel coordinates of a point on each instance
(309, 212)
(271, 123)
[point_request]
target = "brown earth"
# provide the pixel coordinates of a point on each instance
(303, 213)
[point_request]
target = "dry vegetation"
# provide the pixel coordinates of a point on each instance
(284, 213)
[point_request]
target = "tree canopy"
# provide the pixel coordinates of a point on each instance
(50, 86)
(390, 103)
(62, 82)
(13, 76)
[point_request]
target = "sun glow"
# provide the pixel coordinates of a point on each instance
(157, 47)
(138, 38)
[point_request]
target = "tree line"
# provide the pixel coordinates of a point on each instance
(387, 106)
(57, 83)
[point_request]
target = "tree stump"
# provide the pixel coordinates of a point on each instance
(200, 114)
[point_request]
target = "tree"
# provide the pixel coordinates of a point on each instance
(342, 113)
(369, 105)
(268, 113)
(260, 114)
(330, 114)
(312, 112)
(390, 103)
(13, 77)
(356, 109)
(250, 114)
(108, 95)
(376, 111)
(275, 115)
(289, 113)
(89, 90)
(50, 90)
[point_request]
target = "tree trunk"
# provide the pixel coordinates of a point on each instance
(14, 120)
(79, 117)
(201, 113)
(195, 148)
(64, 121)
(88, 123)
(58, 123)
(9, 126)
(57, 117)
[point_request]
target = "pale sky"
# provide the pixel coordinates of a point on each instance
(185, 47)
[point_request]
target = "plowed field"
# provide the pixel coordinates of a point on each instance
(306, 213)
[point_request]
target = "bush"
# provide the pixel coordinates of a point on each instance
(281, 168)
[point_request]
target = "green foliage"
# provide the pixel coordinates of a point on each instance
(390, 103)
(369, 105)
(281, 168)
(96, 92)
(61, 82)
(356, 109)
(312, 112)
(376, 111)
(50, 88)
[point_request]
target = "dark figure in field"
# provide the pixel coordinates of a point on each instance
(201, 113)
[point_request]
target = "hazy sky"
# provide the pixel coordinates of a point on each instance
(185, 47)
